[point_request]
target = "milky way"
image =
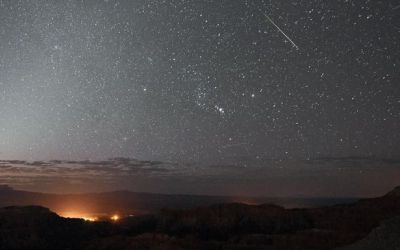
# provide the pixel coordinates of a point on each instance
(199, 81)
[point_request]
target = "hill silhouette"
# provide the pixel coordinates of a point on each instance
(224, 226)
(127, 202)
(34, 227)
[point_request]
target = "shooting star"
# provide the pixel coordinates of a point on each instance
(281, 31)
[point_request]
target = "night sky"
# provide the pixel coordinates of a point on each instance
(205, 84)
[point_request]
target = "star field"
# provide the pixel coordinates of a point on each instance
(199, 81)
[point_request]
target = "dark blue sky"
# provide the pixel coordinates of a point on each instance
(204, 82)
(198, 80)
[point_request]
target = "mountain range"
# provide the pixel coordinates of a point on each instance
(372, 223)
(136, 203)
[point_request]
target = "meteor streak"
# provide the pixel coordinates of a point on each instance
(280, 30)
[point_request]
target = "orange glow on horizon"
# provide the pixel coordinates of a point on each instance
(115, 217)
(74, 215)
(90, 218)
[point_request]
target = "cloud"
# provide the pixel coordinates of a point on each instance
(39, 163)
(157, 176)
(115, 166)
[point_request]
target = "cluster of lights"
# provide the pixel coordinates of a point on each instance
(91, 219)
(114, 217)
(79, 216)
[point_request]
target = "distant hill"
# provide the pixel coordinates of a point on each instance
(124, 202)
(5, 188)
(367, 222)
(127, 202)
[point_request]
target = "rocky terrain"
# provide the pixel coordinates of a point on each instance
(365, 224)
(386, 236)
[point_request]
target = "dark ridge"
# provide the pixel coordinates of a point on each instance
(395, 192)
(220, 226)
(5, 188)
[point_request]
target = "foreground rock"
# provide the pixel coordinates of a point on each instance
(366, 224)
(35, 227)
(386, 236)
